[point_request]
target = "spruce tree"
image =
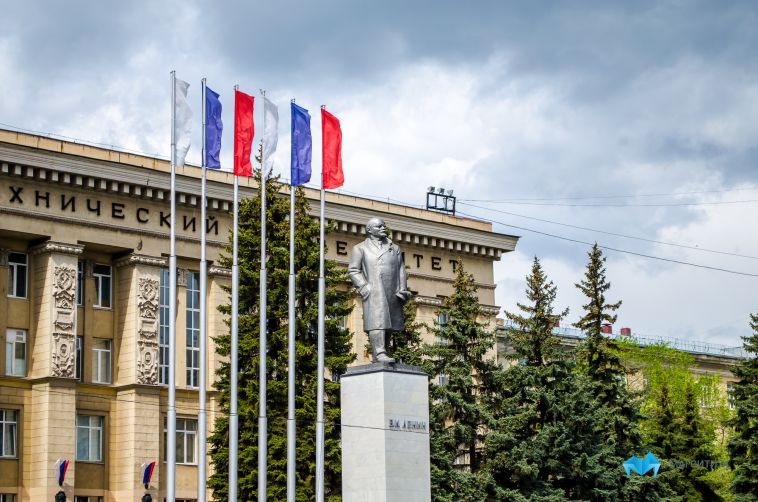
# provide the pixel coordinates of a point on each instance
(545, 445)
(337, 353)
(743, 446)
(617, 406)
(463, 376)
(406, 345)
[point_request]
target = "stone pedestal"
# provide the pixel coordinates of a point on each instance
(385, 434)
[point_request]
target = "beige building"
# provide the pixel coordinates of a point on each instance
(84, 307)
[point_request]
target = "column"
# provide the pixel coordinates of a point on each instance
(51, 369)
(137, 425)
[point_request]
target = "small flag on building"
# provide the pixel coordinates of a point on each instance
(147, 473)
(61, 466)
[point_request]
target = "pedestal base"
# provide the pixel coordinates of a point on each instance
(385, 434)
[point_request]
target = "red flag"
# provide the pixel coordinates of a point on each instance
(331, 151)
(244, 130)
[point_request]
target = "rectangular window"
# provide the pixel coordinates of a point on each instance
(15, 352)
(79, 368)
(442, 319)
(101, 361)
(193, 329)
(80, 498)
(89, 438)
(17, 267)
(102, 275)
(8, 433)
(163, 328)
(80, 282)
(442, 379)
(7, 497)
(186, 440)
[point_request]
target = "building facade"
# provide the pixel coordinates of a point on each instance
(84, 308)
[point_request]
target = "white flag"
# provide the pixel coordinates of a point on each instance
(270, 131)
(182, 121)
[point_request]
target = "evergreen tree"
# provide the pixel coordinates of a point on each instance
(463, 381)
(337, 353)
(406, 345)
(743, 446)
(617, 406)
(545, 445)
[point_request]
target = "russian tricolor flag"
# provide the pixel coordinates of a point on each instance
(147, 472)
(61, 465)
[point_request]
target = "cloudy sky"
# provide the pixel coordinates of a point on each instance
(635, 121)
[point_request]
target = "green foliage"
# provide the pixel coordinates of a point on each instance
(460, 414)
(743, 445)
(405, 345)
(545, 445)
(337, 352)
(618, 407)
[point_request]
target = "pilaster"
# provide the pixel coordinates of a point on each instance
(137, 321)
(54, 293)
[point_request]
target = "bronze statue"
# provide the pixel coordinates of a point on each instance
(378, 272)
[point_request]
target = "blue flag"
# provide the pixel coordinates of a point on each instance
(301, 146)
(213, 128)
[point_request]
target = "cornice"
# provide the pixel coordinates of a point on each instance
(219, 271)
(145, 181)
(140, 259)
(57, 247)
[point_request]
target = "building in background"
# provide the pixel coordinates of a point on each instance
(84, 307)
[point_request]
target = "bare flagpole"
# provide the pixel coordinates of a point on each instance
(233, 424)
(262, 421)
(320, 367)
(171, 411)
(291, 425)
(201, 416)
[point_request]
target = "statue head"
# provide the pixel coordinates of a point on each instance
(376, 228)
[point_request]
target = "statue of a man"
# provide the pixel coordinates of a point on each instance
(378, 272)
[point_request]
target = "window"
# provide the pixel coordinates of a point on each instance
(89, 438)
(80, 498)
(15, 352)
(80, 282)
(102, 275)
(163, 328)
(79, 368)
(101, 361)
(17, 266)
(8, 429)
(730, 395)
(193, 329)
(186, 440)
(442, 319)
(442, 379)
(7, 497)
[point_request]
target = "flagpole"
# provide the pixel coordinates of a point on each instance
(262, 421)
(171, 411)
(320, 366)
(291, 425)
(201, 418)
(233, 425)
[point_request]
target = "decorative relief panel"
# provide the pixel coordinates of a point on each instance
(64, 321)
(147, 332)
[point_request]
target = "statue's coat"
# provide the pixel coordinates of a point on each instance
(382, 270)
